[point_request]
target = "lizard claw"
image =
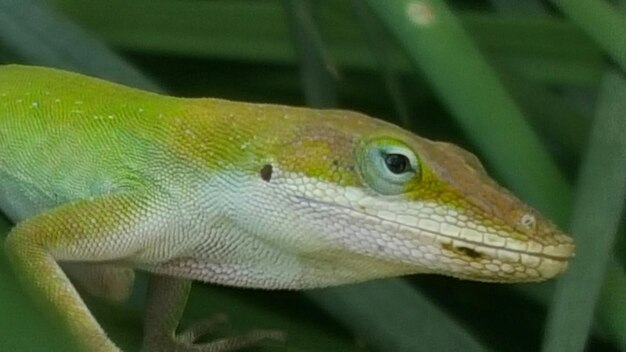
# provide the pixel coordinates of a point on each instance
(203, 328)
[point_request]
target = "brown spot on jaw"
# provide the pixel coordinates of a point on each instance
(468, 252)
(266, 172)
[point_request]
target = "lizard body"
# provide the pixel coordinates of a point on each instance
(241, 194)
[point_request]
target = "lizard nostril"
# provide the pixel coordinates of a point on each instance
(528, 221)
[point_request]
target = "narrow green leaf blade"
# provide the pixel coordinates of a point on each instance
(316, 69)
(603, 22)
(40, 36)
(391, 315)
(597, 214)
(611, 309)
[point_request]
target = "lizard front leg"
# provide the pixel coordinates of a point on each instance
(106, 228)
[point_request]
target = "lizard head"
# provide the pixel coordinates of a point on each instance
(353, 198)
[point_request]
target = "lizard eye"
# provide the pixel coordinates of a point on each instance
(386, 165)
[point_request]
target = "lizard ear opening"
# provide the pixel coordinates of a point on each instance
(266, 172)
(387, 165)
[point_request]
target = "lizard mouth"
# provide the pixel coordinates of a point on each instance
(513, 261)
(559, 252)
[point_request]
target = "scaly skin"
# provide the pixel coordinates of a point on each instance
(242, 194)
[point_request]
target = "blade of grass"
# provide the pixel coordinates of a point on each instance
(553, 71)
(597, 214)
(550, 112)
(411, 323)
(32, 30)
(380, 49)
(603, 22)
(234, 34)
(516, 7)
(566, 124)
(393, 316)
(611, 309)
(317, 71)
(440, 48)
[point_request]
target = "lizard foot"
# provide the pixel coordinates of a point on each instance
(188, 339)
(216, 324)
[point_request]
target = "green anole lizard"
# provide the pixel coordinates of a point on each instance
(240, 194)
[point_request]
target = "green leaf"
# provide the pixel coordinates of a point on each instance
(393, 316)
(553, 51)
(602, 22)
(38, 35)
(597, 214)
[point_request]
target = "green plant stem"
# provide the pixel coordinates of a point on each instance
(256, 31)
(596, 217)
(602, 22)
(316, 68)
(393, 316)
(38, 35)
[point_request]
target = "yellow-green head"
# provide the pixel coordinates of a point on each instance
(344, 197)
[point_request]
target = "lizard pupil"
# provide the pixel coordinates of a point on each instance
(397, 163)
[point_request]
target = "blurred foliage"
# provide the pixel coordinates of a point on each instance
(519, 83)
